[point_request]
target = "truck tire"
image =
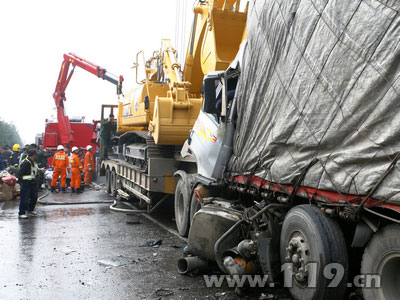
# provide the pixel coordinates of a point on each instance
(382, 257)
(182, 206)
(194, 207)
(108, 183)
(309, 237)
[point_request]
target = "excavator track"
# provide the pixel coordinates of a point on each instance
(146, 145)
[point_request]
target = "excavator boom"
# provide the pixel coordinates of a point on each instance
(168, 101)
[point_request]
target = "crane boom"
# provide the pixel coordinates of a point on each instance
(63, 79)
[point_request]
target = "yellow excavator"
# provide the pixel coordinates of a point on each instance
(168, 100)
(154, 119)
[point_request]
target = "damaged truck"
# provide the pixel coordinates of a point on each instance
(297, 148)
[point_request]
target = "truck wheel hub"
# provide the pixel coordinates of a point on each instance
(298, 253)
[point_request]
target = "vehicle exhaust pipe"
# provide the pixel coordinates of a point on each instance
(191, 263)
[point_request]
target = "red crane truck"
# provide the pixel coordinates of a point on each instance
(66, 131)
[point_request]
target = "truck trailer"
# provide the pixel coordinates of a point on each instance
(297, 152)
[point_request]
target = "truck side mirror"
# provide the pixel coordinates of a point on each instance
(210, 101)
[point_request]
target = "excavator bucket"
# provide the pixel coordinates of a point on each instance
(222, 39)
(172, 120)
(218, 30)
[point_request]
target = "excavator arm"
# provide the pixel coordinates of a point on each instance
(62, 83)
(217, 31)
(168, 101)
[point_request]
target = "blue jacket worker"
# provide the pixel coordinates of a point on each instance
(27, 177)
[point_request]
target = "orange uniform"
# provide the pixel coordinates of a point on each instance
(60, 165)
(76, 167)
(89, 167)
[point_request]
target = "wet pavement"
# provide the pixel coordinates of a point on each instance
(88, 252)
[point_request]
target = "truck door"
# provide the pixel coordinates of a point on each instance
(207, 136)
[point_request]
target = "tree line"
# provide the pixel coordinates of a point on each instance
(8, 134)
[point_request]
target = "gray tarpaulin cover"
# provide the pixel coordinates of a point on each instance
(320, 81)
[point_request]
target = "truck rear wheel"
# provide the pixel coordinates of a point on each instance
(314, 250)
(108, 183)
(182, 206)
(381, 259)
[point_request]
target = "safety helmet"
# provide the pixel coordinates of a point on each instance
(89, 147)
(74, 149)
(60, 147)
(16, 147)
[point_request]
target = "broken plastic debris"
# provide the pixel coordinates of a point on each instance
(120, 261)
(65, 251)
(164, 292)
(154, 244)
(266, 297)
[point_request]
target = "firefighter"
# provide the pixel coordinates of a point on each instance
(27, 177)
(60, 165)
(88, 165)
(14, 159)
(68, 152)
(76, 167)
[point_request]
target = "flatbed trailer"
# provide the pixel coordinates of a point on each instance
(126, 180)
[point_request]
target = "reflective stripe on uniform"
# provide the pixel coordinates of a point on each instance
(34, 170)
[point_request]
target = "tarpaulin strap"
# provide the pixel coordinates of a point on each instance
(248, 183)
(267, 172)
(301, 177)
(371, 192)
(344, 198)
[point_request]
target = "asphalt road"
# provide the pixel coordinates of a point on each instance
(85, 251)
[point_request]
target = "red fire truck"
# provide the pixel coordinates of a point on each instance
(66, 131)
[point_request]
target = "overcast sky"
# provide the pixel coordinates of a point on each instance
(36, 34)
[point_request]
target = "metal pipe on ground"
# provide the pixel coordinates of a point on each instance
(191, 263)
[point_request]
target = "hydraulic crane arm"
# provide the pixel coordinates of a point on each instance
(62, 83)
